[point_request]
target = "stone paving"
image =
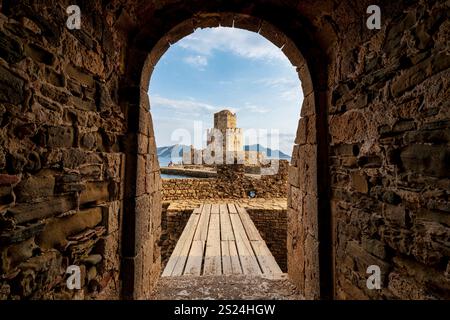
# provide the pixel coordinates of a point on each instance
(235, 287)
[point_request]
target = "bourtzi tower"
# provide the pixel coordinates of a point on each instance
(225, 136)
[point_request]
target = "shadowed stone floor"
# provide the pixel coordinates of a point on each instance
(235, 287)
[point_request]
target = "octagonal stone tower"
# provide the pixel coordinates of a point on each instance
(232, 137)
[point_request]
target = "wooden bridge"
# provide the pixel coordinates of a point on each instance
(221, 240)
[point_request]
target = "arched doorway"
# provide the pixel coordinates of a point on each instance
(309, 223)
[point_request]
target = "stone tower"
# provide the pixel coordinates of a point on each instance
(224, 119)
(232, 137)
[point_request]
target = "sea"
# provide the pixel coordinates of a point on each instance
(164, 162)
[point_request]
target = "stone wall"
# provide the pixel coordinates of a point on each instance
(390, 157)
(172, 226)
(272, 225)
(231, 182)
(369, 179)
(62, 150)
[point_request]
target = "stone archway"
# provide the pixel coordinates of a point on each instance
(74, 105)
(309, 225)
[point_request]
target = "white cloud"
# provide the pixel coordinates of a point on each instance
(199, 62)
(189, 106)
(289, 89)
(240, 42)
(291, 94)
(255, 108)
(276, 82)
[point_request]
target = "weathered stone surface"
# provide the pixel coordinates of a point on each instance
(93, 259)
(61, 137)
(360, 183)
(11, 87)
(379, 104)
(16, 253)
(39, 54)
(95, 192)
(10, 49)
(6, 179)
(426, 159)
(55, 94)
(33, 211)
(54, 77)
(79, 75)
(350, 127)
(33, 187)
(20, 233)
(56, 231)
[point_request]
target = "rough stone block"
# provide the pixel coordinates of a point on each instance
(56, 231)
(32, 187)
(433, 160)
(54, 77)
(312, 289)
(359, 182)
(395, 214)
(60, 137)
(10, 49)
(79, 75)
(112, 216)
(406, 288)
(54, 94)
(20, 233)
(351, 127)
(374, 247)
(95, 192)
(34, 211)
(15, 254)
(11, 87)
(39, 54)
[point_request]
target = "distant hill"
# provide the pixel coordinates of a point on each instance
(277, 154)
(166, 152)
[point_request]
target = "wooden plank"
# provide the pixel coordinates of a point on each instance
(226, 243)
(226, 231)
(215, 208)
(202, 231)
(213, 264)
(247, 257)
(249, 226)
(198, 210)
(227, 268)
(223, 208)
(195, 259)
(232, 208)
(234, 256)
(179, 267)
(177, 250)
(266, 260)
(179, 255)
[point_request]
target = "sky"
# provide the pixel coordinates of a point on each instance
(225, 68)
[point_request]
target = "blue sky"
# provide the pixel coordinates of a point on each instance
(225, 68)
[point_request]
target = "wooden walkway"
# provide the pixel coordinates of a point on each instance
(221, 239)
